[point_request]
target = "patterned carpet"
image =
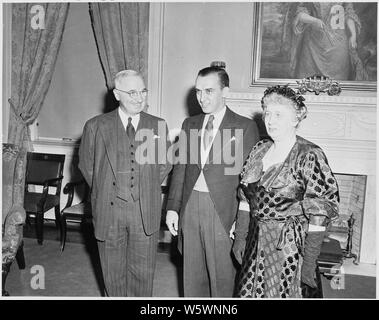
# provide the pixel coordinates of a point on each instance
(75, 272)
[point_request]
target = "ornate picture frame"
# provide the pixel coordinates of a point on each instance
(280, 57)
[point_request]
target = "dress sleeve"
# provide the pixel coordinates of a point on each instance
(298, 26)
(321, 196)
(251, 172)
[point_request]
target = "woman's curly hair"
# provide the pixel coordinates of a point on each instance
(281, 93)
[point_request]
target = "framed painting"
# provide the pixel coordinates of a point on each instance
(296, 40)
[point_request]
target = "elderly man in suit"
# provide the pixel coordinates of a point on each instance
(203, 191)
(125, 186)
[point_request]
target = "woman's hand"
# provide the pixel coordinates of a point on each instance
(240, 234)
(353, 42)
(318, 24)
(312, 248)
(239, 249)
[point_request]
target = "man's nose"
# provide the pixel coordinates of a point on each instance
(202, 96)
(139, 96)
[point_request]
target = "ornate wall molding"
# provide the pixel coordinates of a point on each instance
(325, 99)
(329, 117)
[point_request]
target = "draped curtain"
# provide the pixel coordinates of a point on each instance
(35, 46)
(122, 34)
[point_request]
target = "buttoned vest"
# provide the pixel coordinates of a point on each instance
(127, 166)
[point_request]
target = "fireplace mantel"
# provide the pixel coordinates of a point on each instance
(345, 127)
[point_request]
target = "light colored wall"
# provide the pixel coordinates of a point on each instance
(194, 35)
(78, 87)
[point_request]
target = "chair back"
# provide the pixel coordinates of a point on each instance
(45, 166)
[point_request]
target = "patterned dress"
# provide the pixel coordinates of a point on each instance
(283, 200)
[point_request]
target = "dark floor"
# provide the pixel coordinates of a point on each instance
(75, 272)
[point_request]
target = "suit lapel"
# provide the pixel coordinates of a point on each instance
(143, 122)
(196, 124)
(226, 123)
(108, 128)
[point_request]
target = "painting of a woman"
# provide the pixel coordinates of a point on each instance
(295, 40)
(324, 41)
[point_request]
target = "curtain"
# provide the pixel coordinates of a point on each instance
(37, 31)
(121, 31)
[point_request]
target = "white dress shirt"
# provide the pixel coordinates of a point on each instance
(201, 184)
(124, 118)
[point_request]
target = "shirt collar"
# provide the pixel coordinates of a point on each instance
(218, 116)
(124, 118)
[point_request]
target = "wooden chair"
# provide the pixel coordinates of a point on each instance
(74, 213)
(43, 170)
(81, 212)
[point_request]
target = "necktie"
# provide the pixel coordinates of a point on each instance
(208, 134)
(130, 129)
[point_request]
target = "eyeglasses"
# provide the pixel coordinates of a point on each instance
(135, 94)
(208, 91)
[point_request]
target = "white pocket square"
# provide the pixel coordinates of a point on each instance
(233, 139)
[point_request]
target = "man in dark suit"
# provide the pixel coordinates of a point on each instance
(203, 191)
(125, 186)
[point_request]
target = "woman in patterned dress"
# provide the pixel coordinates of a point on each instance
(289, 195)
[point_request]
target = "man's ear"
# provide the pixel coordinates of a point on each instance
(225, 92)
(116, 95)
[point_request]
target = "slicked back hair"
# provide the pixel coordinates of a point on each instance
(221, 73)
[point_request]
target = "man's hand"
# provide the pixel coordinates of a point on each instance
(231, 231)
(172, 219)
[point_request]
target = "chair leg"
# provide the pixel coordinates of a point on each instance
(63, 231)
(20, 257)
(58, 218)
(27, 221)
(39, 227)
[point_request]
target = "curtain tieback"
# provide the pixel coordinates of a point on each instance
(17, 114)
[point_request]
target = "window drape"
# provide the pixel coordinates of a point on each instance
(121, 31)
(35, 46)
